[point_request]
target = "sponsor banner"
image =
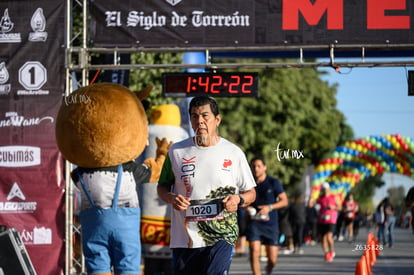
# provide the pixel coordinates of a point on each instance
(19, 156)
(31, 49)
(32, 77)
(235, 23)
(32, 200)
(29, 121)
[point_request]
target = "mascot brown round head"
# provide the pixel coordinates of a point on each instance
(101, 125)
(103, 128)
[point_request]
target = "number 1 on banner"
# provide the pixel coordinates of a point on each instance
(32, 75)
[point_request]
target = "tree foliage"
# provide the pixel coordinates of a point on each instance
(295, 112)
(141, 78)
(364, 191)
(396, 194)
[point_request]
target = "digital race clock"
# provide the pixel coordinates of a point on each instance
(212, 84)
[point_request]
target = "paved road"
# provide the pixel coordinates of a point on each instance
(398, 260)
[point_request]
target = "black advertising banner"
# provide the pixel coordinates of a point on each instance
(32, 77)
(236, 23)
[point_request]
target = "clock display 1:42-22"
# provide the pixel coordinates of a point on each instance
(214, 84)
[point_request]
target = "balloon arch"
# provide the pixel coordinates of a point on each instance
(358, 159)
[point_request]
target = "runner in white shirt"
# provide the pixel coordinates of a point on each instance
(205, 178)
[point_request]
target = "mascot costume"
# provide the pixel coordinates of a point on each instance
(102, 129)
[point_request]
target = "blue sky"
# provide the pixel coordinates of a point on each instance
(375, 101)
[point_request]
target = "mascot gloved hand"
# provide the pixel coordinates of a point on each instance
(102, 128)
(154, 163)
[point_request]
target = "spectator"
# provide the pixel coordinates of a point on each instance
(368, 221)
(328, 214)
(390, 222)
(297, 221)
(339, 227)
(285, 228)
(349, 208)
(407, 219)
(385, 219)
(409, 203)
(311, 227)
(263, 228)
(240, 246)
(358, 220)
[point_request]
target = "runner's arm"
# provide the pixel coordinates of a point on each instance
(165, 183)
(231, 202)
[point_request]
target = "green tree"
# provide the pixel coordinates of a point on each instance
(295, 112)
(397, 196)
(364, 191)
(141, 78)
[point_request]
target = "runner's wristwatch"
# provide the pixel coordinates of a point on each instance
(241, 200)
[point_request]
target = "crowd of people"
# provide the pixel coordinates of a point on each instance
(303, 223)
(321, 220)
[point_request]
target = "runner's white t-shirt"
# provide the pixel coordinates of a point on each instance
(206, 175)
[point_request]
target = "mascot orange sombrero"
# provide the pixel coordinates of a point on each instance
(103, 128)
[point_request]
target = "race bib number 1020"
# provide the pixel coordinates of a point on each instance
(203, 210)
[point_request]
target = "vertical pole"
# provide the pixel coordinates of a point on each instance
(68, 197)
(84, 52)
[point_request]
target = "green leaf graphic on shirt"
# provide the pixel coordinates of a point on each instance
(227, 228)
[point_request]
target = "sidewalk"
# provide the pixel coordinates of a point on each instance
(398, 260)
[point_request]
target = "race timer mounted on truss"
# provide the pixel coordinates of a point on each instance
(214, 84)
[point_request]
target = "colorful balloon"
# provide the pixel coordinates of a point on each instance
(358, 159)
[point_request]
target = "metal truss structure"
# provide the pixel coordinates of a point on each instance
(78, 61)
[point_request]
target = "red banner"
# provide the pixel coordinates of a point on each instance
(31, 168)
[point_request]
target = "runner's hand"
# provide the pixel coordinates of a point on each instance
(179, 202)
(263, 209)
(231, 203)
